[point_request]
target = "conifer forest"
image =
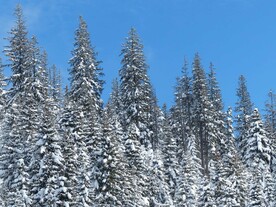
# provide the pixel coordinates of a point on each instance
(64, 147)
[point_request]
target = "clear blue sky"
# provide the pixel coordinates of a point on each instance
(238, 36)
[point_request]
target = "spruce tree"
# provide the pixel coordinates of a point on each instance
(3, 84)
(206, 125)
(181, 111)
(21, 121)
(114, 186)
(169, 149)
(135, 88)
(214, 90)
(190, 176)
(81, 120)
(243, 109)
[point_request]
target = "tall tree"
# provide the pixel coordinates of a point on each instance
(115, 187)
(3, 84)
(258, 158)
(270, 125)
(135, 88)
(204, 122)
(190, 176)
(169, 149)
(82, 116)
(243, 109)
(214, 90)
(20, 125)
(181, 111)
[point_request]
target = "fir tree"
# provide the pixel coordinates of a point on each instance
(114, 186)
(243, 109)
(21, 120)
(181, 112)
(135, 88)
(2, 91)
(82, 118)
(169, 149)
(214, 90)
(189, 180)
(207, 126)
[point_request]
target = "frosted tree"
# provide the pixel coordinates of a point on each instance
(243, 109)
(159, 188)
(257, 145)
(114, 101)
(258, 158)
(270, 125)
(232, 173)
(169, 148)
(206, 124)
(190, 176)
(114, 186)
(3, 84)
(137, 169)
(206, 194)
(214, 90)
(81, 121)
(135, 88)
(55, 90)
(20, 124)
(181, 111)
(46, 162)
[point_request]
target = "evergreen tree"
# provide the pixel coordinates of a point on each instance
(21, 120)
(181, 111)
(137, 169)
(214, 90)
(159, 189)
(135, 88)
(189, 180)
(169, 149)
(243, 109)
(232, 174)
(270, 125)
(257, 145)
(114, 187)
(258, 158)
(2, 91)
(55, 86)
(205, 122)
(82, 118)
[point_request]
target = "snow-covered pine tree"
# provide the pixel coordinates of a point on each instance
(83, 110)
(214, 90)
(3, 84)
(258, 159)
(257, 145)
(114, 187)
(243, 109)
(181, 111)
(55, 90)
(190, 176)
(135, 88)
(270, 126)
(169, 149)
(159, 189)
(46, 164)
(206, 124)
(114, 101)
(136, 168)
(232, 174)
(21, 121)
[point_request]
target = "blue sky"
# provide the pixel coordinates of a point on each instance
(238, 36)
